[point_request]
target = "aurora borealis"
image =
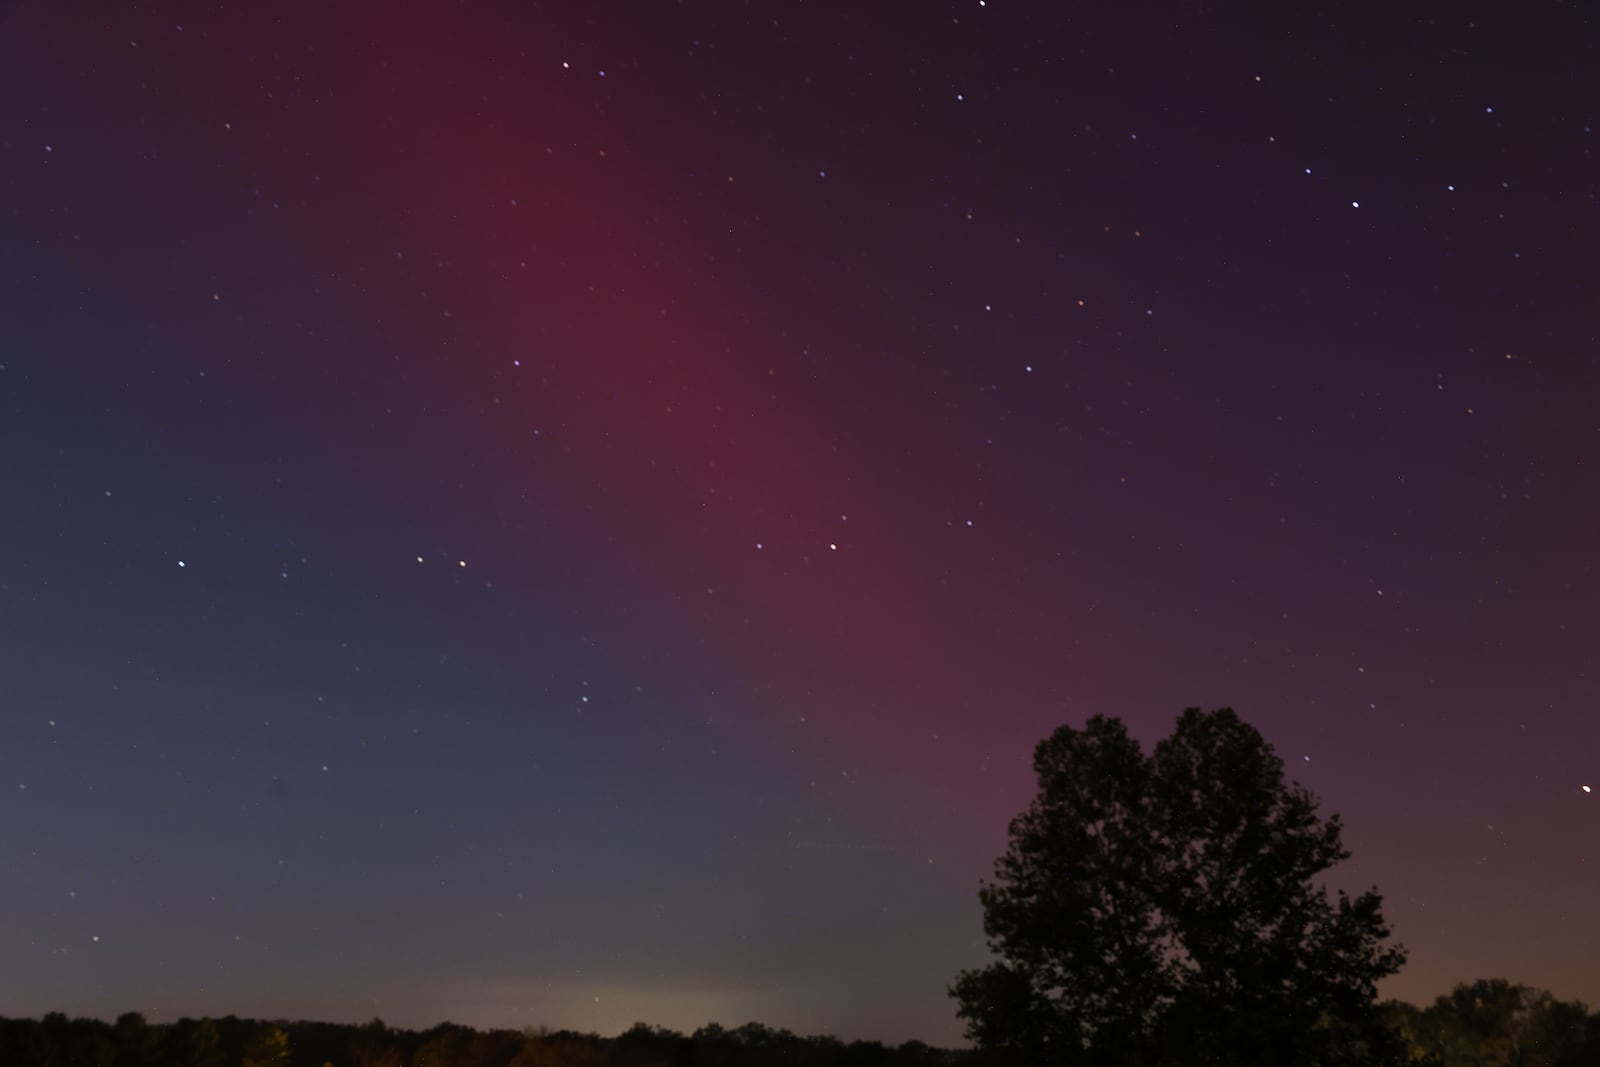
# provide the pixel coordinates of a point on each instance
(574, 513)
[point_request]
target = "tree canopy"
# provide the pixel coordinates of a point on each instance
(1165, 909)
(57, 1041)
(1497, 1023)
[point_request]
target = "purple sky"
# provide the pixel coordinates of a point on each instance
(579, 512)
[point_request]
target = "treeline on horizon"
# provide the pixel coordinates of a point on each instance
(1490, 1023)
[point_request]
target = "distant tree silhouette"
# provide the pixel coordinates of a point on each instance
(1496, 1023)
(643, 1045)
(1491, 1023)
(195, 1043)
(555, 1050)
(267, 1047)
(58, 1041)
(1405, 1023)
(866, 1054)
(452, 1045)
(138, 1043)
(373, 1045)
(1161, 910)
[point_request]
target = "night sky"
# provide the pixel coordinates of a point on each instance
(578, 513)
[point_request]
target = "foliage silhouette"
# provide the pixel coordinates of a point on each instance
(57, 1041)
(1163, 909)
(1496, 1023)
(1483, 1024)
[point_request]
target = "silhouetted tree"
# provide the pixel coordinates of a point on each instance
(230, 1041)
(1496, 1023)
(446, 1045)
(138, 1043)
(195, 1043)
(370, 1045)
(555, 1050)
(267, 1047)
(58, 1040)
(1411, 1032)
(1162, 910)
(865, 1054)
(643, 1045)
